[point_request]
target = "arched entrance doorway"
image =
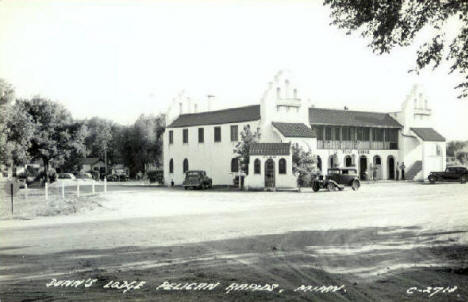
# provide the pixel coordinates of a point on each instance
(363, 167)
(319, 163)
(377, 168)
(391, 167)
(348, 161)
(331, 162)
(270, 173)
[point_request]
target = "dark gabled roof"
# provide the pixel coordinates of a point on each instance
(270, 149)
(428, 134)
(294, 129)
(231, 115)
(322, 116)
(90, 160)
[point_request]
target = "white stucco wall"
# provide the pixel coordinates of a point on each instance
(257, 181)
(434, 158)
(213, 157)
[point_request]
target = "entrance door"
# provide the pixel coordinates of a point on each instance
(270, 173)
(391, 167)
(362, 167)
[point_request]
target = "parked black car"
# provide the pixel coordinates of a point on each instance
(197, 179)
(450, 174)
(337, 179)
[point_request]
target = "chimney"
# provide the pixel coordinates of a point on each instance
(286, 88)
(209, 101)
(295, 93)
(278, 93)
(195, 108)
(189, 105)
(181, 111)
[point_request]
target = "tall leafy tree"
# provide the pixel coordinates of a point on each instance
(390, 23)
(16, 131)
(15, 127)
(242, 149)
(55, 137)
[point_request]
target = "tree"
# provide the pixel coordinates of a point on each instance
(390, 23)
(454, 146)
(16, 131)
(15, 128)
(55, 136)
(7, 93)
(140, 145)
(242, 148)
(304, 164)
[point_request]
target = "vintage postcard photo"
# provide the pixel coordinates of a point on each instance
(233, 150)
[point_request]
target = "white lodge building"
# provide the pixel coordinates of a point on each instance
(368, 141)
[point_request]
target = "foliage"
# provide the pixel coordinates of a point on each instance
(304, 165)
(99, 136)
(55, 136)
(462, 157)
(390, 23)
(140, 145)
(454, 146)
(7, 93)
(16, 131)
(242, 148)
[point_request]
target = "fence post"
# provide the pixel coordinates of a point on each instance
(46, 191)
(11, 193)
(63, 189)
(105, 185)
(77, 189)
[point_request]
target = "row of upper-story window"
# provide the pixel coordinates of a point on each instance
(282, 166)
(356, 133)
(217, 136)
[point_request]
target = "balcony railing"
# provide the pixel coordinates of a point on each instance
(356, 145)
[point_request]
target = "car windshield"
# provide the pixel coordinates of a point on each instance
(193, 173)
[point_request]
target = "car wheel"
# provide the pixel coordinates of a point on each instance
(185, 188)
(463, 179)
(432, 179)
(315, 186)
(355, 185)
(331, 187)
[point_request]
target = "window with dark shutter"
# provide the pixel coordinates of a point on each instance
(171, 166)
(282, 166)
(234, 133)
(257, 166)
(185, 165)
(185, 136)
(201, 135)
(217, 134)
(171, 137)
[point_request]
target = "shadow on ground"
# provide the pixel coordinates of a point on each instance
(374, 264)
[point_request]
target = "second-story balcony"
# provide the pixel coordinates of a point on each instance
(356, 145)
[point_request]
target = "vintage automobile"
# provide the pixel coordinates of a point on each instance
(337, 179)
(197, 179)
(450, 174)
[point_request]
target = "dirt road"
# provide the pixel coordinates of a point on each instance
(377, 243)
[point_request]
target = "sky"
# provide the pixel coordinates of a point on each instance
(119, 59)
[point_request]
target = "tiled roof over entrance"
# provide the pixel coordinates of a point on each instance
(294, 130)
(225, 116)
(270, 149)
(335, 117)
(428, 134)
